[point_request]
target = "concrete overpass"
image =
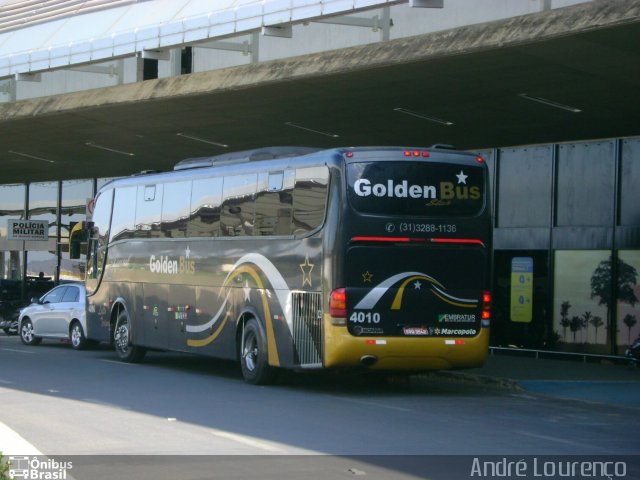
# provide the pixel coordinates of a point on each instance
(557, 75)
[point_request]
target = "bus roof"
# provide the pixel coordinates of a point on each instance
(247, 160)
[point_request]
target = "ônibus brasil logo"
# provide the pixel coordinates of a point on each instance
(38, 468)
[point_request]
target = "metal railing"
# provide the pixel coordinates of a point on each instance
(537, 354)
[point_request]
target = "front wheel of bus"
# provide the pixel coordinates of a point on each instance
(253, 355)
(122, 340)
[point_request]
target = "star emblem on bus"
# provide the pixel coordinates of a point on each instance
(462, 178)
(306, 268)
(367, 277)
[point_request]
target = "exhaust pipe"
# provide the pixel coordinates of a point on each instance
(368, 360)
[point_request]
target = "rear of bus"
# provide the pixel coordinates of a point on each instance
(414, 292)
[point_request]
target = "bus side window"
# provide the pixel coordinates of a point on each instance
(204, 213)
(124, 212)
(309, 198)
(274, 203)
(237, 217)
(148, 210)
(175, 209)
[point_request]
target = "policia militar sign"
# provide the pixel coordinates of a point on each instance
(32, 230)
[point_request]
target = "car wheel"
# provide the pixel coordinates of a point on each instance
(253, 355)
(122, 340)
(26, 333)
(78, 340)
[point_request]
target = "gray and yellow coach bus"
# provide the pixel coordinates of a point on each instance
(298, 258)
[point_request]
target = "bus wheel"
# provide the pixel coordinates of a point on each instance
(253, 355)
(122, 341)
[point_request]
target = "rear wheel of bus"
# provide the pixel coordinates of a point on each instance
(122, 340)
(253, 355)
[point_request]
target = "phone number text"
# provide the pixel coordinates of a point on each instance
(427, 228)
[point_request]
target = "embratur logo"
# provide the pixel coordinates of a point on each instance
(456, 318)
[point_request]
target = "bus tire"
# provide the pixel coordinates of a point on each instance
(126, 351)
(254, 356)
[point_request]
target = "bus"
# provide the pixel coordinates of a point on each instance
(297, 258)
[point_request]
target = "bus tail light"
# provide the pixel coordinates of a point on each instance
(486, 308)
(338, 306)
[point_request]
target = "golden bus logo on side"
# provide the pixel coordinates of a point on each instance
(171, 266)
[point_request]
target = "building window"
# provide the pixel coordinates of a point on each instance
(11, 258)
(73, 209)
(581, 302)
(43, 205)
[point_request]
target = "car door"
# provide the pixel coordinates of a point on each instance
(68, 309)
(47, 317)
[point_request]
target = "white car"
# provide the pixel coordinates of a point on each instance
(58, 314)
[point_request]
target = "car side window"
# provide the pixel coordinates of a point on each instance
(71, 295)
(55, 295)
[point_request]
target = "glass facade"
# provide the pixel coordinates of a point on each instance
(570, 213)
(73, 207)
(12, 207)
(566, 237)
(41, 256)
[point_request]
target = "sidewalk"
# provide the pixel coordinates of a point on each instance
(594, 380)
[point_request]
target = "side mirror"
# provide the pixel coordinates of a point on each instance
(35, 300)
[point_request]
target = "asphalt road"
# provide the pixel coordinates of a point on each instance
(60, 402)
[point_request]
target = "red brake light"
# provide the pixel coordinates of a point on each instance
(479, 159)
(416, 153)
(338, 303)
(486, 306)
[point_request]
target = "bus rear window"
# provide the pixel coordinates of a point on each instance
(416, 188)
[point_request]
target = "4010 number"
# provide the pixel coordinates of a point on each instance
(365, 317)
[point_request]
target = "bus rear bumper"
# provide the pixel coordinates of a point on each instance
(404, 353)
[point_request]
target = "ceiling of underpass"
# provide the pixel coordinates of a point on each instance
(342, 98)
